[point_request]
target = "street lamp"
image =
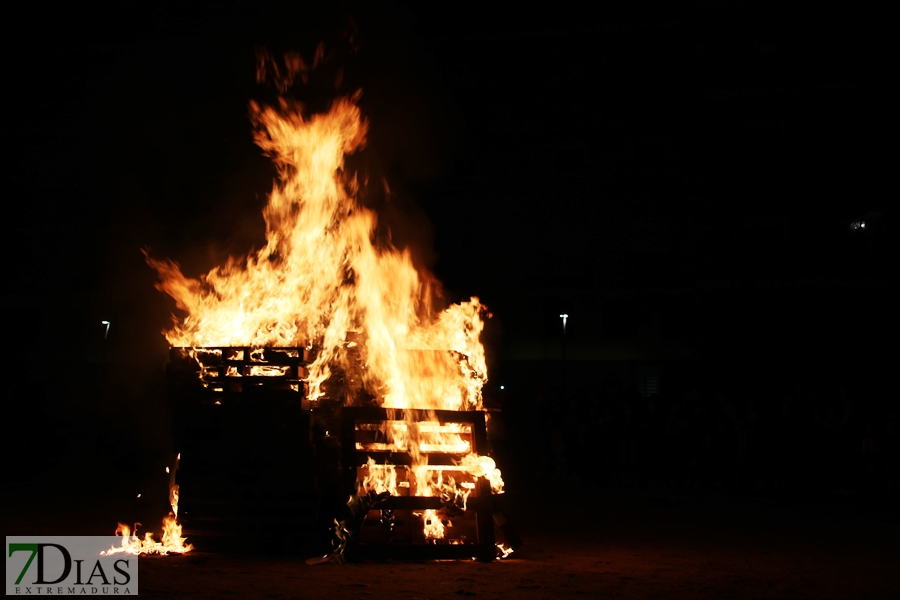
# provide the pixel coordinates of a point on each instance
(564, 317)
(106, 333)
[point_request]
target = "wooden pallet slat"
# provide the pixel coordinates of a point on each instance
(411, 543)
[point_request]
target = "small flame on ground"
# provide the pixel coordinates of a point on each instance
(172, 541)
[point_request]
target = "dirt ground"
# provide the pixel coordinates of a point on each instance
(611, 543)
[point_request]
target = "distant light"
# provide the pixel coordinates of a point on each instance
(502, 387)
(863, 224)
(105, 333)
(564, 316)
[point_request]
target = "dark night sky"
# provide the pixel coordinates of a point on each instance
(554, 150)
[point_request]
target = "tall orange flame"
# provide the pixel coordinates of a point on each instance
(322, 281)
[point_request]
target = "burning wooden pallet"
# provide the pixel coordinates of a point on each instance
(243, 433)
(423, 500)
(247, 471)
(233, 370)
